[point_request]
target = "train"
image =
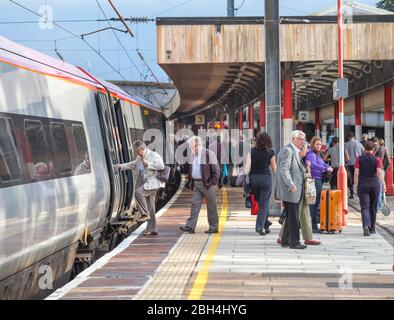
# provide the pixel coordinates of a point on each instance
(63, 202)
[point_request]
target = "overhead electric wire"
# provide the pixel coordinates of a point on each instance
(172, 8)
(243, 2)
(121, 44)
(76, 36)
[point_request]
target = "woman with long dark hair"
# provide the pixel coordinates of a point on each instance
(258, 163)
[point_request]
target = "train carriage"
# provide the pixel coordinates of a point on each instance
(62, 201)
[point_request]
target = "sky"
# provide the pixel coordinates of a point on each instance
(45, 38)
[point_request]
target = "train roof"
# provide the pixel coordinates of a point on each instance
(27, 58)
(121, 94)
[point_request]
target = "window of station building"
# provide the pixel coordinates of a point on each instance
(10, 168)
(60, 146)
(38, 147)
(80, 142)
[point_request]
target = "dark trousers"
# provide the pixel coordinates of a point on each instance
(315, 208)
(351, 179)
(333, 179)
(261, 185)
(368, 196)
(291, 229)
(334, 182)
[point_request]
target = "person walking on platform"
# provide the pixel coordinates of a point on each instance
(288, 187)
(380, 152)
(368, 177)
(318, 167)
(145, 168)
(258, 163)
(364, 139)
(204, 172)
(354, 150)
(333, 155)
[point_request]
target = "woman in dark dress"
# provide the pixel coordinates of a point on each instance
(258, 164)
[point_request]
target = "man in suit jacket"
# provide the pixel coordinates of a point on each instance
(145, 168)
(204, 172)
(289, 185)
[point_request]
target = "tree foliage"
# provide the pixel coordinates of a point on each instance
(386, 5)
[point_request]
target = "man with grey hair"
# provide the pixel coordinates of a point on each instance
(145, 168)
(204, 173)
(288, 187)
(364, 139)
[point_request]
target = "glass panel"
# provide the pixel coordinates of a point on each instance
(60, 145)
(38, 147)
(82, 150)
(80, 142)
(10, 169)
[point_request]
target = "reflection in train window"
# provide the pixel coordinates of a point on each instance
(37, 142)
(60, 146)
(80, 142)
(10, 169)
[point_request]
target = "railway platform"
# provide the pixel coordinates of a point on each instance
(236, 263)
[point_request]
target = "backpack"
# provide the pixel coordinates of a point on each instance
(164, 175)
(385, 159)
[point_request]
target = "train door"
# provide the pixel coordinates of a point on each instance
(113, 153)
(126, 153)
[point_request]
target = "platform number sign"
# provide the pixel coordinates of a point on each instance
(200, 119)
(303, 116)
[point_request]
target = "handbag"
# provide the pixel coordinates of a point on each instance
(310, 191)
(248, 201)
(255, 206)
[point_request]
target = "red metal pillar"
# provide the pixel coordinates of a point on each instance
(336, 119)
(357, 116)
(342, 174)
(240, 119)
(317, 122)
(250, 117)
(287, 110)
(388, 135)
(262, 116)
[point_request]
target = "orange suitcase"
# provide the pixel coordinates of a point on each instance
(331, 211)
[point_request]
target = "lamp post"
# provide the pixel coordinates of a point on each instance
(342, 174)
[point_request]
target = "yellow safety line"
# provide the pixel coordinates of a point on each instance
(202, 276)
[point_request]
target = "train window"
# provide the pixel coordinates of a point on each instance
(60, 145)
(80, 142)
(10, 169)
(38, 147)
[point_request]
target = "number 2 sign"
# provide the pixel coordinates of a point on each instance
(303, 116)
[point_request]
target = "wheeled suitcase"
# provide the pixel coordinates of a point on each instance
(331, 211)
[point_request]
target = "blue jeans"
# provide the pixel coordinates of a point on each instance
(314, 208)
(380, 197)
(261, 185)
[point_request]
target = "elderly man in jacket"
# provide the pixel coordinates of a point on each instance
(145, 168)
(289, 186)
(204, 172)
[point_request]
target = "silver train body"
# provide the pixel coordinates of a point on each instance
(56, 212)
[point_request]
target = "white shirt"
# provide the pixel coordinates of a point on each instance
(295, 148)
(196, 168)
